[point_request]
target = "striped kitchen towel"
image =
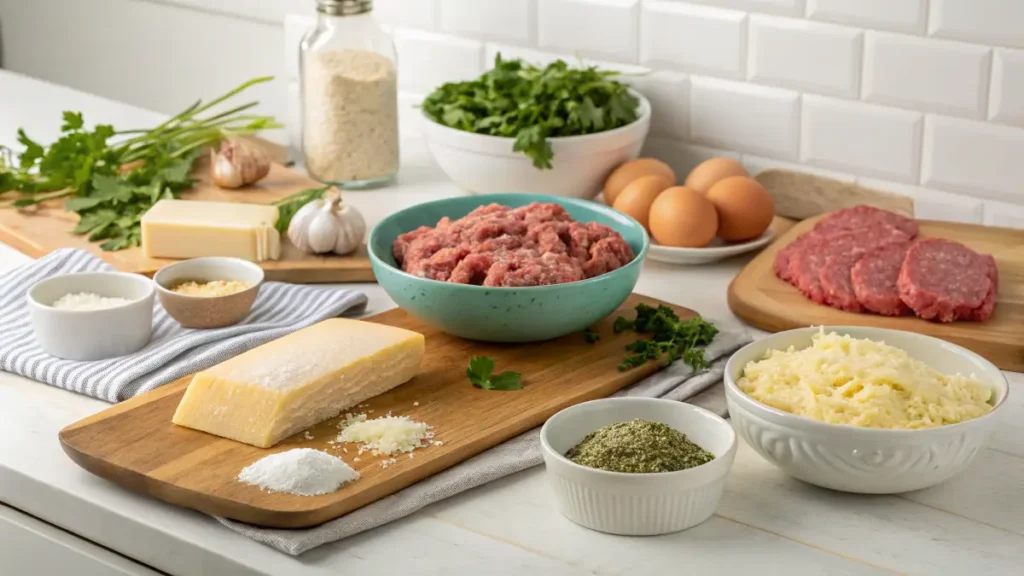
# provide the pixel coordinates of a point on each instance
(173, 352)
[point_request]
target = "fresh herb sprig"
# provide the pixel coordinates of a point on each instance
(671, 338)
(109, 177)
(590, 336)
(480, 374)
(518, 100)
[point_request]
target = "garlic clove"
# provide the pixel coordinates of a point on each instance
(299, 226)
(223, 172)
(352, 230)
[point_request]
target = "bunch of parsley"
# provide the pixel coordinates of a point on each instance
(110, 178)
(671, 338)
(531, 104)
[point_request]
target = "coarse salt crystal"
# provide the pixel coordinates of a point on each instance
(88, 301)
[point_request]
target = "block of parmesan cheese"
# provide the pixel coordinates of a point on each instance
(264, 395)
(194, 228)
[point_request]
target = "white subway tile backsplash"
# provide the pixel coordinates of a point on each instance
(1006, 101)
(682, 157)
(693, 38)
(805, 55)
(410, 117)
(975, 158)
(419, 14)
(780, 7)
(896, 15)
(932, 204)
(925, 74)
(593, 28)
(996, 22)
(427, 60)
(542, 58)
(861, 138)
(504, 20)
(755, 164)
(669, 95)
(745, 117)
(1004, 215)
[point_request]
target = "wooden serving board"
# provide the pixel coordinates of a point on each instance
(763, 300)
(39, 230)
(134, 443)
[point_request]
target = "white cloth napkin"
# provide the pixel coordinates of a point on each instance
(173, 352)
(677, 382)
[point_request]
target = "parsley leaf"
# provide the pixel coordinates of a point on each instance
(532, 105)
(480, 371)
(591, 336)
(671, 338)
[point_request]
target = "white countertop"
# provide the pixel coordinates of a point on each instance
(765, 522)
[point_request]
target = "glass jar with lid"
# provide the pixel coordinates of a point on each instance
(349, 94)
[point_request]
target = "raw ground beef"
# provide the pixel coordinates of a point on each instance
(495, 245)
(874, 280)
(836, 284)
(946, 281)
(806, 266)
(837, 223)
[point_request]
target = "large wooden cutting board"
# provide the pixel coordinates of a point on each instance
(135, 445)
(761, 299)
(40, 230)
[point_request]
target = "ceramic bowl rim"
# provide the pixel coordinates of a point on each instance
(148, 283)
(245, 263)
(788, 419)
(545, 431)
(580, 202)
(645, 114)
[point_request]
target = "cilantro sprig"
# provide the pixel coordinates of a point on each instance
(670, 338)
(531, 104)
(109, 177)
(480, 373)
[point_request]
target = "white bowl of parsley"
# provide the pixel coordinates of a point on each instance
(556, 130)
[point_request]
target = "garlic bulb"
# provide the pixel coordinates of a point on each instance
(237, 164)
(327, 225)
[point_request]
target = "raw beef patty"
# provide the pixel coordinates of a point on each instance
(874, 279)
(946, 281)
(806, 266)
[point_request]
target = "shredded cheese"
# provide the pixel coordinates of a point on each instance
(385, 435)
(860, 382)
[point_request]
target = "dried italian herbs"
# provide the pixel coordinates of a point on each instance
(638, 447)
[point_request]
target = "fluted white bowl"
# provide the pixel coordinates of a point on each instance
(864, 460)
(637, 504)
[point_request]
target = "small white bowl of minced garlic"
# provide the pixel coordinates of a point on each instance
(208, 292)
(864, 410)
(637, 466)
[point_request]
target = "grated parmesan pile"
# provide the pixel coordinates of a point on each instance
(860, 382)
(386, 435)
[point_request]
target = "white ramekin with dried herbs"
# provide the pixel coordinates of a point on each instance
(556, 130)
(642, 502)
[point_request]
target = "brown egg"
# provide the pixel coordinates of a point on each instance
(745, 209)
(683, 218)
(629, 171)
(708, 172)
(636, 198)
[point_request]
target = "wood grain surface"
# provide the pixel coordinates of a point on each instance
(134, 443)
(761, 299)
(798, 195)
(40, 230)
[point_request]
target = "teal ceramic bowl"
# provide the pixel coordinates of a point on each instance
(505, 314)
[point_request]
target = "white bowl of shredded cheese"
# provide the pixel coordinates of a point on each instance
(864, 410)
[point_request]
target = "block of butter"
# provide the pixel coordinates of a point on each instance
(194, 228)
(262, 396)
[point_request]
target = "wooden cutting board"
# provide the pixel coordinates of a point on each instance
(40, 230)
(135, 445)
(761, 299)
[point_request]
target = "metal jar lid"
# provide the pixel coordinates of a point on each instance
(344, 7)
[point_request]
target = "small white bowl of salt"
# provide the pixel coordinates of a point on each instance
(92, 315)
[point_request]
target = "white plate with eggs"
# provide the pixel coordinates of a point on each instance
(717, 250)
